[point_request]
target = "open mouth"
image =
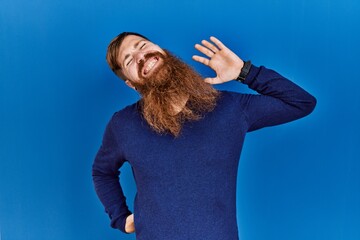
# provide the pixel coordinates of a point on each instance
(150, 65)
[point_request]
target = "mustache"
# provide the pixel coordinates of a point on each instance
(146, 58)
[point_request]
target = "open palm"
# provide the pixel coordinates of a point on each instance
(221, 59)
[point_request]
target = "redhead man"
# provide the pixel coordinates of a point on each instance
(183, 138)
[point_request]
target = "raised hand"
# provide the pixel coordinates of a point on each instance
(222, 60)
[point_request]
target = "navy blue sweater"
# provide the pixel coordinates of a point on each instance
(186, 186)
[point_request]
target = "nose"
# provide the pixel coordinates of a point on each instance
(139, 56)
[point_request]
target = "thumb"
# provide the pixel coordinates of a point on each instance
(214, 80)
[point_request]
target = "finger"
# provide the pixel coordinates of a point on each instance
(202, 60)
(210, 46)
(204, 50)
(218, 43)
(214, 80)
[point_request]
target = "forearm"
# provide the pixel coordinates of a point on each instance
(111, 195)
(280, 99)
(268, 82)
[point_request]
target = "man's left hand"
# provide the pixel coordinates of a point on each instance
(222, 60)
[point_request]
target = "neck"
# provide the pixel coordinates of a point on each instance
(178, 106)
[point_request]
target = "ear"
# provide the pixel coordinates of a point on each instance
(130, 84)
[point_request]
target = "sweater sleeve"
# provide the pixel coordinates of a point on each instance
(280, 100)
(105, 173)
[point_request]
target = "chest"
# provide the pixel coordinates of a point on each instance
(211, 144)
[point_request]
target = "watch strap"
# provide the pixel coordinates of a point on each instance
(244, 71)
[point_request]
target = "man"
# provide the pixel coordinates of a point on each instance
(183, 138)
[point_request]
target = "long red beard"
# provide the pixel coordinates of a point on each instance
(170, 84)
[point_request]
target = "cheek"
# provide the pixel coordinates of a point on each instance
(133, 74)
(158, 49)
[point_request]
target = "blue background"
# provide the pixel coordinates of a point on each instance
(296, 181)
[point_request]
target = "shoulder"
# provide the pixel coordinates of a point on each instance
(234, 101)
(226, 95)
(125, 114)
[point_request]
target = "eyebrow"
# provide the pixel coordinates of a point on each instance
(135, 46)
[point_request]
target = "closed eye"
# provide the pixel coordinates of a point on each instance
(127, 64)
(142, 47)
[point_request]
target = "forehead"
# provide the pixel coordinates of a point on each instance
(127, 44)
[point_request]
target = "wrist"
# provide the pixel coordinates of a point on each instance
(237, 69)
(244, 71)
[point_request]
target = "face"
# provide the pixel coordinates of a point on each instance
(133, 61)
(165, 83)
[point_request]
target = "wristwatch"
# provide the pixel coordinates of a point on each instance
(244, 71)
